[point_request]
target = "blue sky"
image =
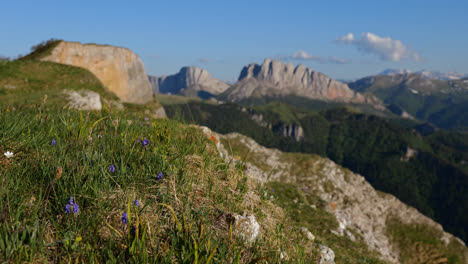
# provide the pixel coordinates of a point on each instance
(223, 36)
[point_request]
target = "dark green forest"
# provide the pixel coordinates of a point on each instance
(434, 180)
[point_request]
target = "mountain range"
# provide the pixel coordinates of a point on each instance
(441, 102)
(223, 176)
(427, 74)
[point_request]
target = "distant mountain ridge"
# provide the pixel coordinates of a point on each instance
(274, 78)
(189, 81)
(442, 102)
(426, 74)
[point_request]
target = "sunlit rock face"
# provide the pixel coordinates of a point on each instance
(274, 78)
(119, 69)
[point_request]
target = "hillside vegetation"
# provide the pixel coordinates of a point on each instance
(434, 179)
(116, 186)
(444, 103)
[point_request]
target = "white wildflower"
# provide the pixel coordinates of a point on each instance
(8, 154)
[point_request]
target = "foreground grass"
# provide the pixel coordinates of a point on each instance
(26, 82)
(186, 193)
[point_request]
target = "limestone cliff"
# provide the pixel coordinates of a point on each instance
(190, 81)
(119, 69)
(274, 78)
(362, 212)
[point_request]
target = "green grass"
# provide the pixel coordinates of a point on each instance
(40, 178)
(298, 202)
(31, 80)
(420, 244)
(181, 218)
(42, 49)
(185, 217)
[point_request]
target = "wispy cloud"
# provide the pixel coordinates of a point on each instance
(304, 56)
(384, 47)
(204, 60)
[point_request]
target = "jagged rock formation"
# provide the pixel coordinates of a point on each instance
(189, 81)
(119, 69)
(275, 78)
(351, 199)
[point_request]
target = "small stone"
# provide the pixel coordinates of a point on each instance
(307, 233)
(327, 256)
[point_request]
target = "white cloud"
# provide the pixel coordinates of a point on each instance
(302, 55)
(386, 48)
(204, 60)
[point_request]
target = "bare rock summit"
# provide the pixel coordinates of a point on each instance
(119, 69)
(189, 81)
(274, 78)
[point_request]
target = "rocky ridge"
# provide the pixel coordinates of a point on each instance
(357, 206)
(119, 69)
(274, 78)
(427, 74)
(190, 81)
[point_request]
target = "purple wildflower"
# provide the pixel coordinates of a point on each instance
(145, 142)
(75, 208)
(70, 204)
(53, 142)
(136, 203)
(146, 118)
(124, 218)
(160, 175)
(112, 168)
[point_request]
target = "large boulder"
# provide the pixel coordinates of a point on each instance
(119, 69)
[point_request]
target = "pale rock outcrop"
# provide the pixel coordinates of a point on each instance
(274, 78)
(293, 130)
(190, 81)
(356, 205)
(83, 100)
(247, 227)
(119, 69)
(286, 130)
(327, 256)
(307, 234)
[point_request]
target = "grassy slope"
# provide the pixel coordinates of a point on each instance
(433, 181)
(197, 185)
(33, 79)
(417, 243)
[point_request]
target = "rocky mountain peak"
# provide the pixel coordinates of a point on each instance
(275, 78)
(188, 81)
